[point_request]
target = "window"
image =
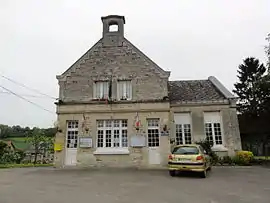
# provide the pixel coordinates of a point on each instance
(124, 90)
(186, 150)
(183, 128)
(101, 90)
(112, 133)
(153, 132)
(212, 125)
(72, 134)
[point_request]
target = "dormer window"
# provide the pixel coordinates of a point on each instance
(101, 90)
(124, 90)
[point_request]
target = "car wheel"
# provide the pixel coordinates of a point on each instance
(209, 169)
(203, 174)
(172, 173)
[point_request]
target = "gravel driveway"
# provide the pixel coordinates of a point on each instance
(48, 185)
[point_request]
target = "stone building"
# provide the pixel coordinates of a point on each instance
(118, 108)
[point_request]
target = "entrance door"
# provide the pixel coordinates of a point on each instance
(154, 156)
(153, 138)
(71, 143)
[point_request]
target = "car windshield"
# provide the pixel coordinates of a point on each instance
(186, 150)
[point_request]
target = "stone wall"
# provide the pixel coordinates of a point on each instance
(113, 63)
(231, 135)
(137, 157)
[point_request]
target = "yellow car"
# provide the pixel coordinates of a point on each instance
(190, 157)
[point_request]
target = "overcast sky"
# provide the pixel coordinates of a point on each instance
(193, 39)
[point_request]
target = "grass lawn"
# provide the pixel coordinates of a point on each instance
(18, 138)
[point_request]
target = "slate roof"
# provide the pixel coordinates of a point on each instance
(194, 90)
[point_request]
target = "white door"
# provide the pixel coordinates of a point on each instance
(153, 138)
(71, 143)
(154, 155)
(71, 157)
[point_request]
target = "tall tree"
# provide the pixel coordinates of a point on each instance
(251, 88)
(267, 51)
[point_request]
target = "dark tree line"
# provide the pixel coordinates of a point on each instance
(18, 131)
(253, 91)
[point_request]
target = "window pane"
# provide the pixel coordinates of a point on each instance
(217, 131)
(116, 123)
(187, 132)
(153, 122)
(179, 135)
(111, 133)
(100, 124)
(108, 138)
(124, 123)
(108, 123)
(124, 138)
(153, 137)
(72, 134)
(100, 138)
(116, 135)
(185, 150)
(124, 89)
(209, 132)
(101, 89)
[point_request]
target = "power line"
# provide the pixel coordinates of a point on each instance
(22, 85)
(26, 95)
(37, 105)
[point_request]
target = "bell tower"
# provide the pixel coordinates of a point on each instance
(113, 30)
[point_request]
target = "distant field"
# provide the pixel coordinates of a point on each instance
(20, 139)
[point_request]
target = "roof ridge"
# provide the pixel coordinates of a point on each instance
(188, 80)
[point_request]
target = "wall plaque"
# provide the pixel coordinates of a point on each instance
(137, 141)
(165, 133)
(86, 142)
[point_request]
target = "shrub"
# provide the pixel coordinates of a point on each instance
(243, 158)
(207, 146)
(12, 157)
(227, 160)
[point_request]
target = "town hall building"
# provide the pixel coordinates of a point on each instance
(118, 108)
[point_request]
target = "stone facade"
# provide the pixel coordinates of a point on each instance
(112, 59)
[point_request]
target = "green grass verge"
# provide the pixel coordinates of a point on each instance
(24, 165)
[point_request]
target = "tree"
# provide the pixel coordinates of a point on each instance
(252, 87)
(37, 140)
(4, 131)
(267, 51)
(18, 131)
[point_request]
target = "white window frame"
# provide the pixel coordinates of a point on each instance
(124, 90)
(101, 90)
(212, 118)
(185, 131)
(73, 128)
(112, 127)
(153, 124)
(183, 123)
